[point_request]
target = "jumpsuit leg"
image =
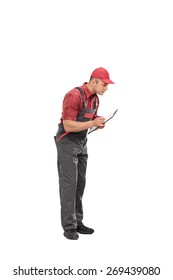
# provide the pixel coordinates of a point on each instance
(82, 166)
(67, 168)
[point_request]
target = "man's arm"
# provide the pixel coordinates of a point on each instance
(75, 126)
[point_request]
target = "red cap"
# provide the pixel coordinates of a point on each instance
(102, 74)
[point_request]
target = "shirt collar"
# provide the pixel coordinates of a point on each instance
(86, 90)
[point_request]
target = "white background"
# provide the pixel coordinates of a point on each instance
(47, 48)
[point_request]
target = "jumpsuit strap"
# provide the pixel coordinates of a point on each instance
(95, 103)
(82, 95)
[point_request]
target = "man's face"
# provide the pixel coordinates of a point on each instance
(100, 87)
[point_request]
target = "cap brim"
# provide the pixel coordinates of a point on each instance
(107, 81)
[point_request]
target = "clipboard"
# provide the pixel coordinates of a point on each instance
(106, 120)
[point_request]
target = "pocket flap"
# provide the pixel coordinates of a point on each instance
(88, 115)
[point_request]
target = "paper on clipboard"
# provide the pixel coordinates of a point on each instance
(106, 120)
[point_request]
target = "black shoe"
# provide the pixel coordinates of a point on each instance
(84, 230)
(71, 234)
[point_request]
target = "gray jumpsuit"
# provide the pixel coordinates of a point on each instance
(72, 163)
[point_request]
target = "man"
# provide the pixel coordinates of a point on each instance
(80, 107)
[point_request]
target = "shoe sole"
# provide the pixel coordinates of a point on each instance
(84, 232)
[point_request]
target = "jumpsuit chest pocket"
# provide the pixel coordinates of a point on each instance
(89, 115)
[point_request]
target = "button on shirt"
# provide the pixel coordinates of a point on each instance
(73, 104)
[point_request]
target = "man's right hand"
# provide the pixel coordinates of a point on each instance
(99, 122)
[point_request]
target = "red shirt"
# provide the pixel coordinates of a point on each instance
(73, 104)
